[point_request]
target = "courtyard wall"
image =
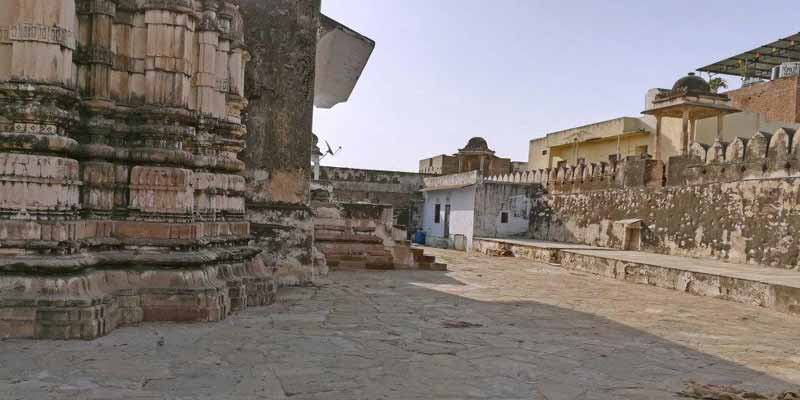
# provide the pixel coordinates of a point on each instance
(738, 202)
(396, 188)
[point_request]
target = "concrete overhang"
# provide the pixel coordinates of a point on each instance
(699, 108)
(342, 54)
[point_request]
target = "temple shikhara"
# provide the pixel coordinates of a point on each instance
(123, 191)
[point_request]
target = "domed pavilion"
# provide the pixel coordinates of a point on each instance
(690, 99)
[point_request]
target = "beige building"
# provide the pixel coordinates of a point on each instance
(737, 113)
(593, 143)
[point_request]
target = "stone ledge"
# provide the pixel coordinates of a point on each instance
(536, 250)
(766, 287)
(35, 265)
(727, 285)
(93, 302)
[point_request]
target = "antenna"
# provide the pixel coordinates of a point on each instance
(330, 150)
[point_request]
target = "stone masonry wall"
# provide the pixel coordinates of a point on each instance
(738, 202)
(395, 188)
(279, 86)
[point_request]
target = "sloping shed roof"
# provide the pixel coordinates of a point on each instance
(758, 62)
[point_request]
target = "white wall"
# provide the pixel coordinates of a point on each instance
(462, 213)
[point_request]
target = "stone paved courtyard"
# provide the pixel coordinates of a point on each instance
(491, 328)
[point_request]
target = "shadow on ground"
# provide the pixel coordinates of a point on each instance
(372, 335)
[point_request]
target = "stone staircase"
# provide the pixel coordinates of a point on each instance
(359, 248)
(348, 247)
(415, 257)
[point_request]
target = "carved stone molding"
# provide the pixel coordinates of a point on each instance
(27, 32)
(93, 55)
(105, 7)
(171, 5)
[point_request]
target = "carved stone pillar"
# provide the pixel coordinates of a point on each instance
(685, 132)
(657, 138)
(94, 57)
(39, 178)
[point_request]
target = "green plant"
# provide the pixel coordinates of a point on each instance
(717, 83)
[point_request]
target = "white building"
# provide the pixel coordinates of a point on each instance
(461, 206)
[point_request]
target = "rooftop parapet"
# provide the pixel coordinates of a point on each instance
(631, 172)
(762, 156)
(453, 181)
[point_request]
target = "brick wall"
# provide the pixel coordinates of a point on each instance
(775, 100)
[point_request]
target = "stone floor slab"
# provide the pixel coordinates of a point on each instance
(491, 328)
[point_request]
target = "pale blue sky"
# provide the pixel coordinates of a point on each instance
(512, 70)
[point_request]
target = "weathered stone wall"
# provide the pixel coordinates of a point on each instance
(361, 235)
(439, 165)
(746, 221)
(493, 199)
(120, 195)
(279, 87)
(395, 188)
(738, 202)
(354, 234)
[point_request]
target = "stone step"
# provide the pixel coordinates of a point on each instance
(425, 259)
(345, 237)
(432, 266)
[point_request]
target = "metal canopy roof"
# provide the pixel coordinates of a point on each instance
(758, 62)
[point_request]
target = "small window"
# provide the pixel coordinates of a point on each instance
(544, 152)
(504, 217)
(436, 214)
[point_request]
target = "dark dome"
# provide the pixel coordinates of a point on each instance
(691, 83)
(476, 144)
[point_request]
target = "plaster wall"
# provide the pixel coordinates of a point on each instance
(599, 150)
(743, 124)
(596, 139)
(462, 213)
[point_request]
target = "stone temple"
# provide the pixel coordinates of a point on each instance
(127, 169)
